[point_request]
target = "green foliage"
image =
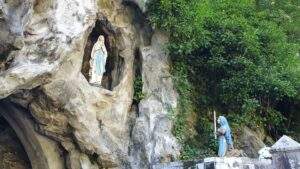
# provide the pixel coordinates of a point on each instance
(185, 103)
(138, 89)
(185, 107)
(240, 57)
(183, 130)
(189, 152)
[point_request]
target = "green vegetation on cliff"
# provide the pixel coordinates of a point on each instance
(239, 57)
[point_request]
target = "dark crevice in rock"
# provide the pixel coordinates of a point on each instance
(134, 111)
(43, 118)
(93, 158)
(141, 22)
(12, 153)
(138, 85)
(22, 98)
(136, 149)
(114, 70)
(64, 155)
(132, 120)
(23, 124)
(114, 64)
(5, 61)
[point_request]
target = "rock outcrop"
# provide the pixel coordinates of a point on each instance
(41, 151)
(42, 35)
(142, 4)
(250, 142)
(152, 137)
(44, 47)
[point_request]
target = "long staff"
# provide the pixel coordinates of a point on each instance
(215, 125)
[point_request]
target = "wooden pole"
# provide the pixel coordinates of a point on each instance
(215, 124)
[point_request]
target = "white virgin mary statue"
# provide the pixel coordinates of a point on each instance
(98, 61)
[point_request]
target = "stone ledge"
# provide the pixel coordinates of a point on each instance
(218, 163)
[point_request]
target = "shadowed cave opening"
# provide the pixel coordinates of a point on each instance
(5, 61)
(114, 63)
(12, 153)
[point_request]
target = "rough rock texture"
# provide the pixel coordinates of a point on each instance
(142, 4)
(251, 142)
(43, 34)
(94, 127)
(42, 151)
(151, 134)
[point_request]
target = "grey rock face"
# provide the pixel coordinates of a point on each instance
(41, 35)
(14, 16)
(152, 130)
(251, 143)
(42, 152)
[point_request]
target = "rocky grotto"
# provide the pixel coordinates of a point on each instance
(60, 119)
(52, 117)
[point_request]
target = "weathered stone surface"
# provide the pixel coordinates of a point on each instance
(142, 4)
(42, 35)
(42, 152)
(75, 160)
(152, 130)
(286, 153)
(99, 117)
(13, 17)
(251, 143)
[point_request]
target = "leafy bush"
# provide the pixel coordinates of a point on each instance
(138, 89)
(240, 57)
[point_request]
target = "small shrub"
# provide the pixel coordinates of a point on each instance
(138, 89)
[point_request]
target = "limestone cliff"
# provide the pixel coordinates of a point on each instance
(45, 48)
